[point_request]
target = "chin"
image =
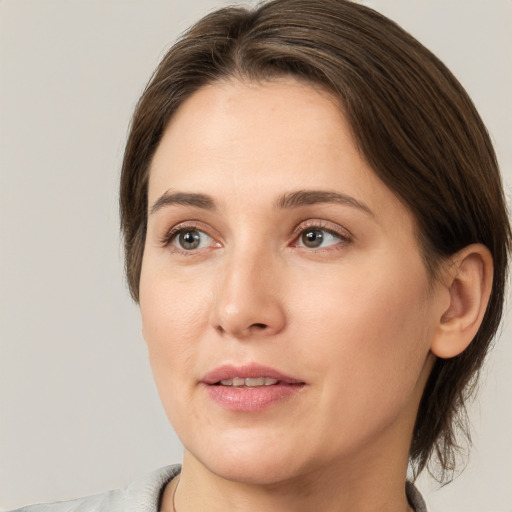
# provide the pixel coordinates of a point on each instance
(266, 472)
(250, 462)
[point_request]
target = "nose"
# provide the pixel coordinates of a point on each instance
(248, 302)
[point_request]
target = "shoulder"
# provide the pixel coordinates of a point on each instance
(100, 502)
(141, 495)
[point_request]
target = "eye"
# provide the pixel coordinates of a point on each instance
(190, 239)
(317, 237)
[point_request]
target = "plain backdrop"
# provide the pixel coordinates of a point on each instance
(79, 413)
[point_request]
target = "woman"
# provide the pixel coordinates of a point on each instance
(316, 234)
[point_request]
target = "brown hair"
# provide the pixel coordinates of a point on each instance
(412, 120)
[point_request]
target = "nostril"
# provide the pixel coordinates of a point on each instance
(259, 326)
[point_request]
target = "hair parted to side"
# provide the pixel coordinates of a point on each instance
(412, 121)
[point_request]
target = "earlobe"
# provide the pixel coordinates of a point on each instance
(468, 283)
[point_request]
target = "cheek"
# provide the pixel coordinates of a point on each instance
(174, 314)
(370, 331)
(172, 318)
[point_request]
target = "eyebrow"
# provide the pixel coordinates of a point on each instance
(286, 201)
(184, 199)
(308, 197)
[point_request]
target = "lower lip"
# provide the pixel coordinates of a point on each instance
(246, 399)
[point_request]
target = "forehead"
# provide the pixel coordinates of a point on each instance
(233, 118)
(268, 137)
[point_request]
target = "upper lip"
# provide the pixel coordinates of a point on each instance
(252, 370)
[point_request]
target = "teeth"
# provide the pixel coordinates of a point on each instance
(258, 381)
(249, 382)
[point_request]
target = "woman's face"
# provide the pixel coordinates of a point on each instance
(277, 262)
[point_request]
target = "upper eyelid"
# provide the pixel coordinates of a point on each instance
(332, 227)
(188, 224)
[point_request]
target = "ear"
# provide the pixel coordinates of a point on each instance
(468, 283)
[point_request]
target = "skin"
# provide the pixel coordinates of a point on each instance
(354, 318)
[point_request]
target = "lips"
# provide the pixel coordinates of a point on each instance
(250, 388)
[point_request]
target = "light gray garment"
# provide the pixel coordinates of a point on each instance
(415, 498)
(144, 496)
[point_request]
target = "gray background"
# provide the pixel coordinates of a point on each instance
(79, 413)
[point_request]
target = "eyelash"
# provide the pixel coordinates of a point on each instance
(344, 236)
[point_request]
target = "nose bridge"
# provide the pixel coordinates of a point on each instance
(247, 301)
